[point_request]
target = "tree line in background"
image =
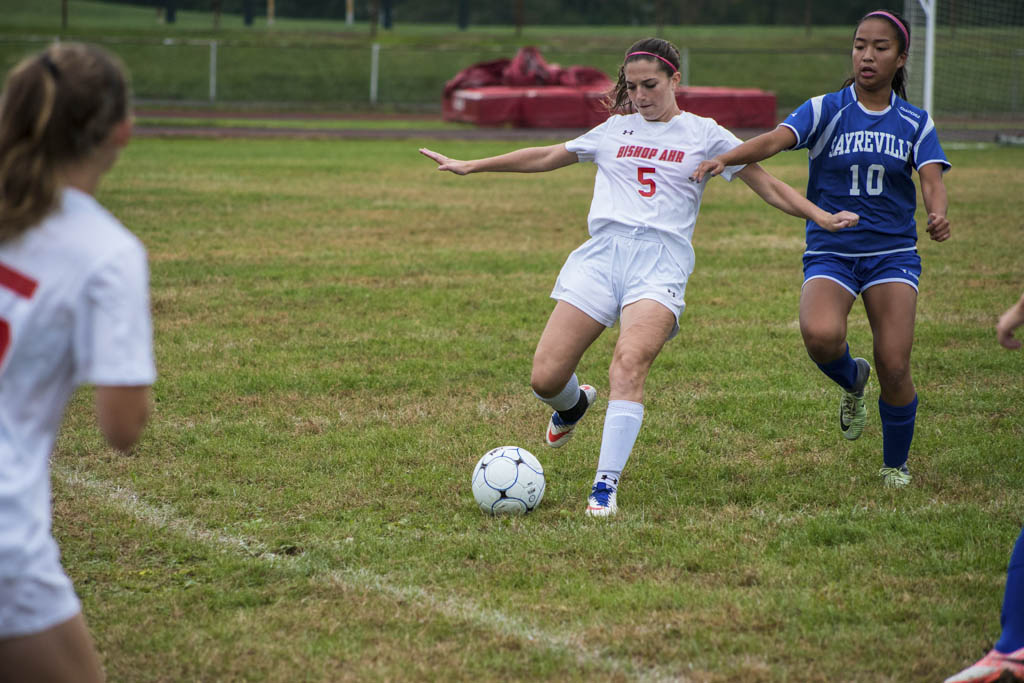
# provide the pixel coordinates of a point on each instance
(598, 12)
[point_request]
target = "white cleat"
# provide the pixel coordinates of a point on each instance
(560, 432)
(601, 502)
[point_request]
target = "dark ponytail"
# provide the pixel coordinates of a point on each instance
(663, 53)
(896, 20)
(56, 108)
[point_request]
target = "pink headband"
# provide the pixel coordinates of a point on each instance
(671, 65)
(893, 19)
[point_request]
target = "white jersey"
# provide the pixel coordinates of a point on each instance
(643, 175)
(74, 309)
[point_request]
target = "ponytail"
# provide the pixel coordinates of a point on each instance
(28, 183)
(664, 54)
(55, 109)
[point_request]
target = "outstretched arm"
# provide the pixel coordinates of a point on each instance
(528, 160)
(933, 190)
(750, 152)
(785, 198)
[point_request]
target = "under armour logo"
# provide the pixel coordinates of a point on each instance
(627, 132)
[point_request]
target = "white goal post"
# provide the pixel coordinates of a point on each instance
(966, 57)
(930, 8)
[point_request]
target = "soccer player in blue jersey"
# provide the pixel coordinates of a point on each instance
(1005, 661)
(863, 142)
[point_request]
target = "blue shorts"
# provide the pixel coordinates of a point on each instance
(857, 273)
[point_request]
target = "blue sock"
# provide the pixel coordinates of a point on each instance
(1013, 602)
(897, 431)
(842, 370)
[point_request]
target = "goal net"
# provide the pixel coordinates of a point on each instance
(979, 57)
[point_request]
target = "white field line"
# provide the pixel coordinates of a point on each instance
(164, 517)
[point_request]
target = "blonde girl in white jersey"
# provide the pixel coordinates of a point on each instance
(635, 266)
(74, 308)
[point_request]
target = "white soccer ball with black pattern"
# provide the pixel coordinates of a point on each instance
(508, 481)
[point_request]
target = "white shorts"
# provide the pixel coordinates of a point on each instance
(38, 597)
(617, 267)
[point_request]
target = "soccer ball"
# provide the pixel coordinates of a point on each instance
(508, 481)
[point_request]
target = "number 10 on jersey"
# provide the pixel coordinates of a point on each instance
(876, 172)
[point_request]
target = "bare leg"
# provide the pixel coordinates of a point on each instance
(646, 325)
(824, 308)
(62, 653)
(891, 309)
(567, 335)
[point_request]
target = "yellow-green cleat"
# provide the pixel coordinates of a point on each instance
(852, 413)
(894, 477)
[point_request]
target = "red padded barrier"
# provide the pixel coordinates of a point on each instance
(526, 91)
(554, 107)
(730, 107)
(494, 105)
(566, 107)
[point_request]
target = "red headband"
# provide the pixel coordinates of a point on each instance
(671, 65)
(883, 13)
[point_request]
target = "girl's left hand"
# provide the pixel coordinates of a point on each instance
(938, 227)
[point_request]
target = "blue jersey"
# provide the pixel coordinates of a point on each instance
(861, 161)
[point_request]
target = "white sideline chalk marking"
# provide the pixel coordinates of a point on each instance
(164, 517)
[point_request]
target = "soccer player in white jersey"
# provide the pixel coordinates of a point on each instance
(74, 309)
(636, 264)
(863, 142)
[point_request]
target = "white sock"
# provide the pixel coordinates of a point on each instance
(621, 425)
(565, 399)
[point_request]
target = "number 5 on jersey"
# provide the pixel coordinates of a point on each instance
(641, 175)
(24, 287)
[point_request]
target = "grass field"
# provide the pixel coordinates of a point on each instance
(341, 332)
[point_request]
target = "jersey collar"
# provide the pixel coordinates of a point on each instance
(869, 112)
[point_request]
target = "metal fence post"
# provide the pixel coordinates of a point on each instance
(213, 70)
(684, 66)
(1015, 89)
(374, 71)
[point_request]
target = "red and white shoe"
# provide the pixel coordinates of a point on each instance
(992, 668)
(560, 432)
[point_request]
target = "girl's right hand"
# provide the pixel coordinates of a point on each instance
(840, 220)
(444, 163)
(711, 167)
